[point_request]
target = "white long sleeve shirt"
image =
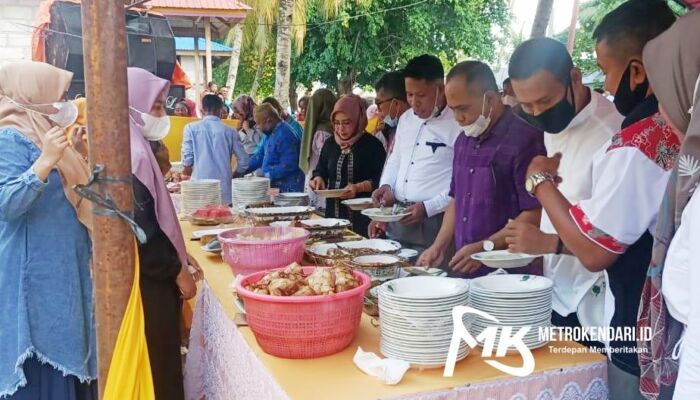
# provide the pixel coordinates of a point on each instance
(680, 281)
(419, 168)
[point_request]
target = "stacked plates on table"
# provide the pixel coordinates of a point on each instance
(197, 194)
(292, 199)
(415, 317)
(514, 300)
(249, 190)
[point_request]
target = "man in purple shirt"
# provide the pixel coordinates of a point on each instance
(490, 161)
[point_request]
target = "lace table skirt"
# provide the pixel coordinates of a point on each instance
(221, 366)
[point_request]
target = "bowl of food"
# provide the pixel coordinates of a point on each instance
(380, 267)
(212, 215)
(248, 250)
(303, 312)
(386, 214)
(503, 259)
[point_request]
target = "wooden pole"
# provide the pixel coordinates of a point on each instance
(113, 242)
(198, 87)
(571, 39)
(207, 46)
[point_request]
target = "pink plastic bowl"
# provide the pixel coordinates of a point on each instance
(248, 256)
(303, 326)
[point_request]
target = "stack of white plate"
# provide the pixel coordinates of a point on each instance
(197, 194)
(292, 199)
(514, 300)
(249, 190)
(415, 317)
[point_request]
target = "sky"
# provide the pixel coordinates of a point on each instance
(523, 12)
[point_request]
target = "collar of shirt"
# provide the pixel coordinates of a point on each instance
(646, 108)
(211, 118)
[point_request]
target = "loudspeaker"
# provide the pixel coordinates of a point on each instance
(150, 43)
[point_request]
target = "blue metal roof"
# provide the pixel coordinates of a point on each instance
(187, 44)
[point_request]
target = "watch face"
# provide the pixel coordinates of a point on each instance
(529, 185)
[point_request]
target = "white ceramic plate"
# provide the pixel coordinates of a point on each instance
(358, 204)
(511, 283)
(503, 259)
(407, 253)
(209, 232)
(424, 287)
(376, 214)
(325, 223)
(330, 193)
(280, 210)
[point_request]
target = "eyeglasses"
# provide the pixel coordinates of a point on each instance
(379, 103)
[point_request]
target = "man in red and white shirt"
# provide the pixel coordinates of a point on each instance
(610, 230)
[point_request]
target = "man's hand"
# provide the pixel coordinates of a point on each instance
(383, 197)
(523, 237)
(542, 164)
(462, 260)
(431, 257)
(417, 212)
(317, 183)
(350, 192)
(376, 228)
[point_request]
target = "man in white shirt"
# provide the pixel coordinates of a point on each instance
(610, 230)
(542, 69)
(418, 171)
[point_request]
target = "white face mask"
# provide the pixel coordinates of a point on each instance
(476, 128)
(66, 116)
(391, 122)
(153, 128)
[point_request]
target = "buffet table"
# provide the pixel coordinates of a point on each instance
(225, 362)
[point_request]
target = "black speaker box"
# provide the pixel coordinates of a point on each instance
(150, 43)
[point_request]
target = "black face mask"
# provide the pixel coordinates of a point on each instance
(555, 119)
(627, 99)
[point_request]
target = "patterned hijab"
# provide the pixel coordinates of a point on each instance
(245, 105)
(144, 89)
(318, 118)
(672, 63)
(354, 107)
(40, 83)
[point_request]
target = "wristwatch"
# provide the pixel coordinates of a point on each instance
(534, 180)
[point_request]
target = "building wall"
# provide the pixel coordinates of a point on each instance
(15, 40)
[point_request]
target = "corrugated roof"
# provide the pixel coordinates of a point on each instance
(187, 44)
(200, 4)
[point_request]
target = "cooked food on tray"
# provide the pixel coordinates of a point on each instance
(292, 281)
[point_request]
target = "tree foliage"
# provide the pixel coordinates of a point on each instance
(367, 46)
(590, 15)
(246, 73)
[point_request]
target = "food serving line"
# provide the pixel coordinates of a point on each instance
(226, 361)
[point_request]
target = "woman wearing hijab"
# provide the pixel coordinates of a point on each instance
(165, 278)
(672, 62)
(286, 117)
(243, 112)
(47, 332)
(317, 128)
(351, 159)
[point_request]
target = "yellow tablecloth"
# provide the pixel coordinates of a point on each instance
(337, 377)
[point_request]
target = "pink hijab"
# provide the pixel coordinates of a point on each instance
(144, 89)
(354, 107)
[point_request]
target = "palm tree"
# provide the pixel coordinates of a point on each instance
(289, 16)
(542, 15)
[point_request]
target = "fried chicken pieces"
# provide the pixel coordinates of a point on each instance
(292, 281)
